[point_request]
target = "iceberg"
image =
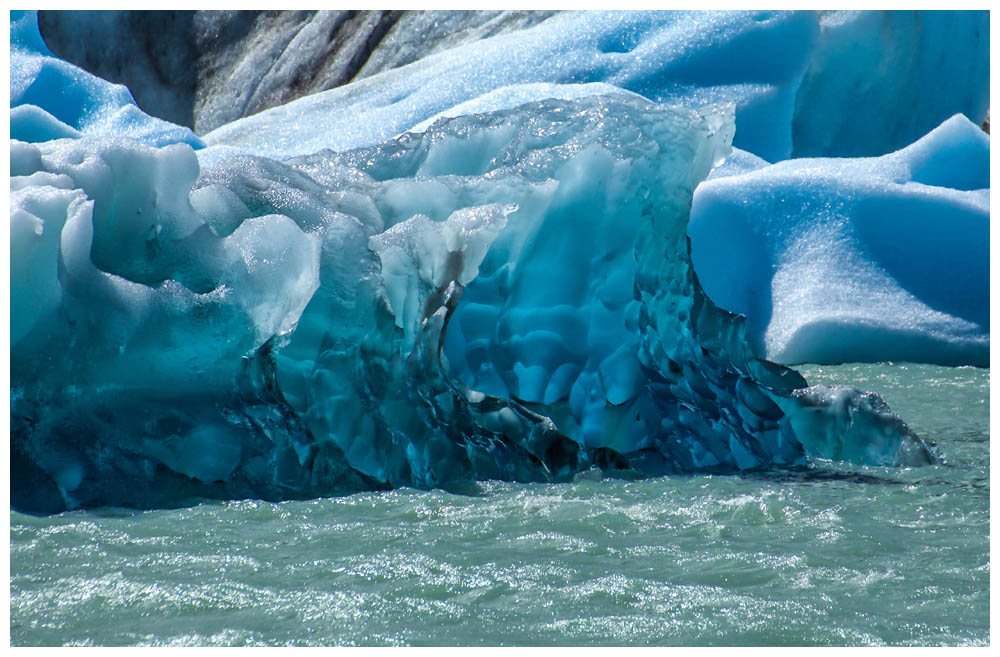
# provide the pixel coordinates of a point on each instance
(505, 295)
(854, 260)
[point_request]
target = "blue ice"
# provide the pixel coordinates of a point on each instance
(855, 260)
(477, 266)
(52, 99)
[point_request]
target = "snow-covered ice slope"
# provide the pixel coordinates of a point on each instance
(506, 296)
(868, 259)
(874, 81)
(50, 98)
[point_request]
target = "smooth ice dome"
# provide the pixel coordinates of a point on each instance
(506, 295)
(868, 259)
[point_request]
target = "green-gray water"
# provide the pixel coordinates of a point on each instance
(839, 556)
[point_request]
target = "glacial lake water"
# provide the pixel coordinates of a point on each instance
(841, 555)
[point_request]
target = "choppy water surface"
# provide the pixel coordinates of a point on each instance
(838, 556)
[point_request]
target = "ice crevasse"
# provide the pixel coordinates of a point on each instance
(506, 295)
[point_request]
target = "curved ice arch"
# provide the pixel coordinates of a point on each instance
(296, 329)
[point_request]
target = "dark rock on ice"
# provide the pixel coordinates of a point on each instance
(203, 69)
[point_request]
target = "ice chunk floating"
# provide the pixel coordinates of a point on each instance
(506, 295)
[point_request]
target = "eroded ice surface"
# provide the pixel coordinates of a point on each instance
(868, 259)
(807, 312)
(505, 296)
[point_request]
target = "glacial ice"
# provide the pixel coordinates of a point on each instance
(50, 98)
(505, 295)
(833, 83)
(204, 69)
(665, 56)
(847, 260)
(879, 80)
(505, 292)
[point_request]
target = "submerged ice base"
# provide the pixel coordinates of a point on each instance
(507, 295)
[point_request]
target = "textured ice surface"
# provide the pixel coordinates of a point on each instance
(50, 98)
(665, 56)
(206, 68)
(503, 296)
(874, 81)
(846, 260)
